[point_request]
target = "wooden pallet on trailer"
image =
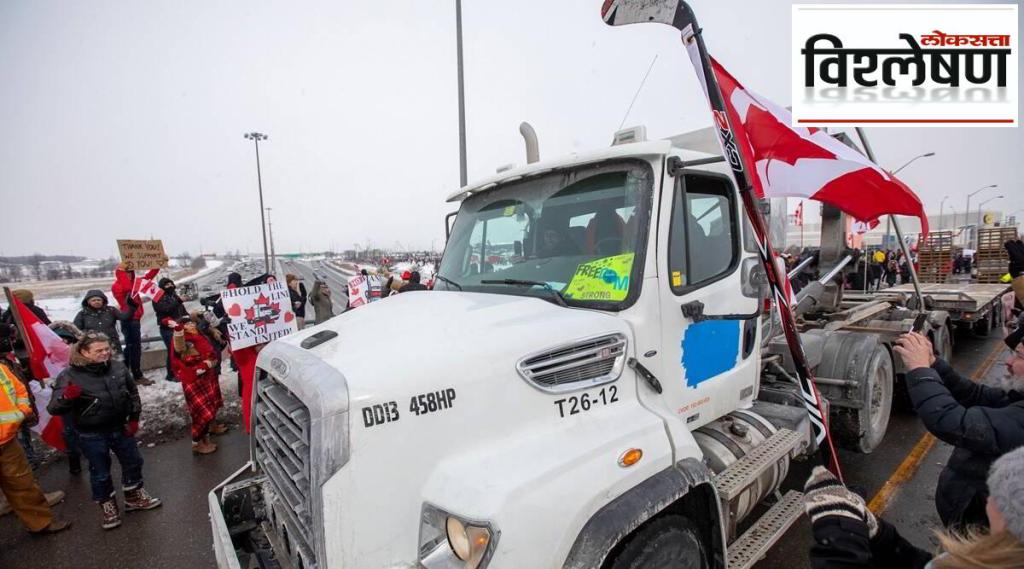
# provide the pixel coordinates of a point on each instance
(990, 258)
(935, 257)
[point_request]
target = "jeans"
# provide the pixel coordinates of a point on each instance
(133, 346)
(167, 335)
(71, 438)
(97, 448)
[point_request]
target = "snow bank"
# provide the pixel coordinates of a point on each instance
(164, 414)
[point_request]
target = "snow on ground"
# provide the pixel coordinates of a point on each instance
(164, 414)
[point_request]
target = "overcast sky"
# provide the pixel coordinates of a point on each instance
(125, 119)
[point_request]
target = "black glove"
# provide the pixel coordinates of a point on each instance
(129, 301)
(1015, 249)
(826, 496)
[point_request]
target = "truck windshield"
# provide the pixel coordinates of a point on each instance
(579, 233)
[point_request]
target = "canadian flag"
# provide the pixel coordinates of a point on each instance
(143, 287)
(48, 356)
(806, 162)
(862, 227)
(798, 217)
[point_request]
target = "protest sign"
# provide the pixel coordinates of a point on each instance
(259, 314)
(142, 254)
(358, 291)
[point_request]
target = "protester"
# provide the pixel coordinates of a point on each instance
(97, 315)
(28, 299)
(848, 536)
(103, 401)
(1015, 250)
(981, 422)
(123, 291)
(195, 362)
(297, 292)
(320, 298)
(70, 334)
(413, 283)
(17, 482)
(168, 308)
(14, 353)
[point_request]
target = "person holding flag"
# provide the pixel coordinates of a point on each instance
(17, 482)
(103, 401)
(126, 290)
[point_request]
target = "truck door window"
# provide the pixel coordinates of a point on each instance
(704, 235)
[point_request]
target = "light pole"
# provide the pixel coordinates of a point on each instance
(462, 94)
(270, 230)
(942, 207)
(256, 137)
(967, 208)
(982, 205)
(888, 221)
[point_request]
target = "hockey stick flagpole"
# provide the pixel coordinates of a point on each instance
(678, 14)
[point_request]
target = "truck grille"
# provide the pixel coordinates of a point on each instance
(282, 434)
(588, 362)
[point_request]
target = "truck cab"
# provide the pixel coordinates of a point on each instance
(586, 383)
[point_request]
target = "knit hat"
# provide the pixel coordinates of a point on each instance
(23, 294)
(1006, 487)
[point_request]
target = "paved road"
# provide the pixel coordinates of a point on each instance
(177, 535)
(307, 269)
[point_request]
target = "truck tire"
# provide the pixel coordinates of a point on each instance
(669, 542)
(942, 340)
(863, 359)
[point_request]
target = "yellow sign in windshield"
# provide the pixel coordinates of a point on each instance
(604, 279)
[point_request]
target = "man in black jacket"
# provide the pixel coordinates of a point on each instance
(413, 284)
(168, 308)
(981, 422)
(102, 399)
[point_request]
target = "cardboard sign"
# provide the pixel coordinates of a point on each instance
(259, 314)
(142, 254)
(358, 291)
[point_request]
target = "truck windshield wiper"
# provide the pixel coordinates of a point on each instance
(518, 282)
(448, 281)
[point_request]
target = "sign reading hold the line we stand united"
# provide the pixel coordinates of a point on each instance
(259, 314)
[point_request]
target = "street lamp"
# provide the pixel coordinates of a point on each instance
(982, 204)
(888, 220)
(967, 209)
(256, 137)
(942, 206)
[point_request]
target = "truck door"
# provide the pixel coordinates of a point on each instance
(709, 366)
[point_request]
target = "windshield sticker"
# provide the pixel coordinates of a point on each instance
(509, 211)
(604, 279)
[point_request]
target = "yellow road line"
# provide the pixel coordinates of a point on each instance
(906, 470)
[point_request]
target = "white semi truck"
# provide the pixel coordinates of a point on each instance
(592, 384)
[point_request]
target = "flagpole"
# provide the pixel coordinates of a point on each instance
(813, 404)
(896, 225)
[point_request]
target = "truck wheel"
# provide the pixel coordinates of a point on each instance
(943, 342)
(860, 358)
(669, 542)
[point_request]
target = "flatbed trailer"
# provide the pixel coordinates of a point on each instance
(970, 305)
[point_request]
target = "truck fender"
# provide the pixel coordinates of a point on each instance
(666, 489)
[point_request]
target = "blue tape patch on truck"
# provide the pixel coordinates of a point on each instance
(710, 348)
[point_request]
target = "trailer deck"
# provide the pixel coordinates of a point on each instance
(966, 303)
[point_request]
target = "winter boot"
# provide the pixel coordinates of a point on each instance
(111, 515)
(143, 380)
(139, 499)
(75, 464)
(218, 428)
(203, 446)
(54, 498)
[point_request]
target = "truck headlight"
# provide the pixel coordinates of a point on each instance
(448, 541)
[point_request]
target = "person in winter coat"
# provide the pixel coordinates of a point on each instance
(103, 401)
(412, 283)
(981, 422)
(196, 362)
(848, 536)
(168, 308)
(122, 289)
(97, 315)
(297, 291)
(70, 334)
(320, 298)
(17, 483)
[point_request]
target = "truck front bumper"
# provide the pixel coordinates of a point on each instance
(233, 514)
